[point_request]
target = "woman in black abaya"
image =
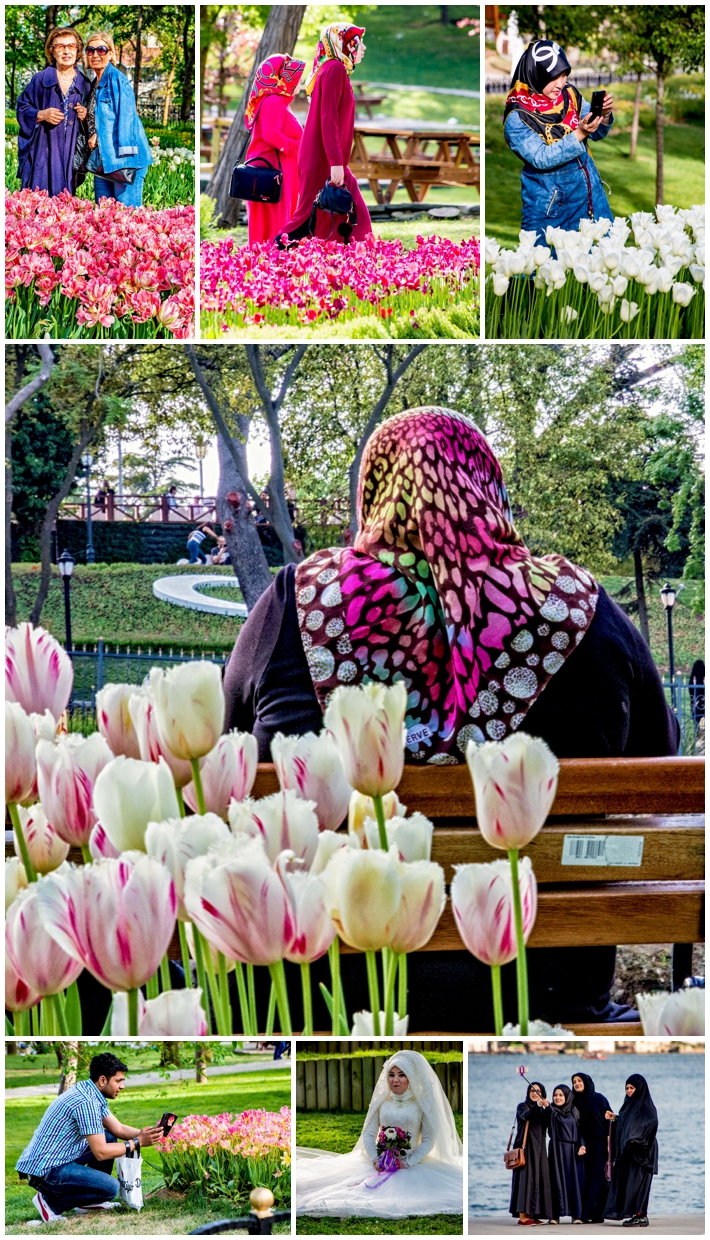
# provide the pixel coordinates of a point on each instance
(635, 1155)
(531, 1192)
(566, 1155)
(592, 1109)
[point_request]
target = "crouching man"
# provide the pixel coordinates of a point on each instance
(70, 1157)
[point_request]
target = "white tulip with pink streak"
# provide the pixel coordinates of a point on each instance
(227, 773)
(20, 761)
(482, 903)
(67, 770)
(47, 849)
(515, 782)
(42, 963)
(311, 766)
(367, 724)
(38, 671)
(113, 718)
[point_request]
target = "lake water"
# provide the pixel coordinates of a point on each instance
(677, 1085)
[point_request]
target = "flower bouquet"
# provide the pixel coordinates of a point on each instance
(591, 284)
(393, 1145)
(227, 1156)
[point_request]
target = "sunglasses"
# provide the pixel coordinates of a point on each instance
(96, 51)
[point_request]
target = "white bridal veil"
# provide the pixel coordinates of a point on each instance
(426, 1088)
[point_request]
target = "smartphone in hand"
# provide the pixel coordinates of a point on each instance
(166, 1122)
(597, 104)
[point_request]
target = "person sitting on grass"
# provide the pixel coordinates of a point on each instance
(68, 1161)
(195, 541)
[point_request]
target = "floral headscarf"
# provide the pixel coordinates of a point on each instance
(439, 590)
(541, 63)
(338, 41)
(279, 75)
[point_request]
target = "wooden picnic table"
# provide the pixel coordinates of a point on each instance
(406, 158)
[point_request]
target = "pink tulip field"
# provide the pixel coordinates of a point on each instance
(75, 269)
(228, 1155)
(372, 287)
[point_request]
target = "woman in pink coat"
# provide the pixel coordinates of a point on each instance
(275, 136)
(328, 136)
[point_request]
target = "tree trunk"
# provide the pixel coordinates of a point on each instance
(139, 52)
(278, 508)
(393, 378)
(635, 118)
(280, 34)
(50, 19)
(444, 10)
(34, 384)
(169, 86)
(188, 89)
(12, 1048)
(660, 99)
(641, 596)
(70, 1063)
(200, 1074)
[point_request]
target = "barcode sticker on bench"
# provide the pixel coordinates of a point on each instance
(602, 850)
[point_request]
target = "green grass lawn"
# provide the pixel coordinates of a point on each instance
(632, 183)
(42, 1069)
(164, 1212)
(338, 1131)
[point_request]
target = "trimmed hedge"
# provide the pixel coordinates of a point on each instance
(128, 542)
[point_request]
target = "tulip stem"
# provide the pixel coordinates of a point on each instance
(133, 1013)
(521, 966)
(86, 854)
(165, 983)
(380, 816)
(334, 959)
(402, 995)
(22, 1024)
(197, 780)
(497, 1000)
(389, 979)
(251, 991)
(215, 993)
(243, 999)
(224, 988)
(201, 978)
(151, 986)
(34, 1021)
(185, 951)
(180, 801)
(278, 977)
(307, 1000)
(30, 871)
(271, 1012)
(57, 1008)
(374, 989)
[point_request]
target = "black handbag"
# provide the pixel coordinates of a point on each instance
(336, 200)
(254, 183)
(122, 176)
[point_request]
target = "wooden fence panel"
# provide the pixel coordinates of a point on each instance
(356, 1077)
(300, 1084)
(322, 1084)
(346, 1084)
(310, 1080)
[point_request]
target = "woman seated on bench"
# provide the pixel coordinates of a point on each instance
(440, 588)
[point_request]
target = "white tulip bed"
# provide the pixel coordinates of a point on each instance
(592, 284)
(158, 803)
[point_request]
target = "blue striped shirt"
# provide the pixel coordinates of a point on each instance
(61, 1136)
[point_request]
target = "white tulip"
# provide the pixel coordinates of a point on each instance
(569, 314)
(363, 892)
(189, 707)
(541, 254)
(129, 794)
(367, 723)
(514, 781)
(45, 846)
(421, 905)
(328, 843)
(411, 836)
(631, 267)
(683, 294)
(15, 879)
(698, 273)
(114, 720)
(281, 821)
(665, 280)
(597, 281)
(581, 272)
(628, 311)
(492, 250)
(311, 766)
(619, 285)
(363, 1024)
(500, 285)
(175, 841)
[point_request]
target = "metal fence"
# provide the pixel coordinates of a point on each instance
(678, 695)
(581, 79)
(98, 665)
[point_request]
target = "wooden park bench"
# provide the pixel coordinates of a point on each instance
(452, 162)
(645, 813)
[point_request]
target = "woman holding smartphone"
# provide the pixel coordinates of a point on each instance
(548, 125)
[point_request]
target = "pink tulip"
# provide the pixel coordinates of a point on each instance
(117, 917)
(314, 927)
(311, 766)
(41, 962)
(100, 845)
(238, 901)
(18, 995)
(38, 671)
(281, 821)
(66, 774)
(20, 762)
(47, 850)
(482, 902)
(114, 720)
(227, 773)
(142, 710)
(515, 782)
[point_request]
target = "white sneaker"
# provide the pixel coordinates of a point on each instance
(100, 1205)
(46, 1214)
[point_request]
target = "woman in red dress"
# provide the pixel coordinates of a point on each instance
(328, 136)
(275, 136)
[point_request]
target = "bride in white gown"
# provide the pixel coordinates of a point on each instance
(407, 1095)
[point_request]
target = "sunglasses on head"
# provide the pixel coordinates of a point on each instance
(99, 51)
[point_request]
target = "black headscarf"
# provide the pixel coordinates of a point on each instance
(568, 1107)
(591, 1106)
(540, 1087)
(541, 63)
(638, 1118)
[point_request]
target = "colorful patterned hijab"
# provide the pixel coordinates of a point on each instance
(439, 590)
(279, 75)
(541, 63)
(338, 41)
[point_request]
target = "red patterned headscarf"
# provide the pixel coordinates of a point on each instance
(439, 590)
(279, 75)
(339, 41)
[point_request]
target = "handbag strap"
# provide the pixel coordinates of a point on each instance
(525, 1134)
(242, 153)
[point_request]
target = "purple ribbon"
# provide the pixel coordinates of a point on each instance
(387, 1165)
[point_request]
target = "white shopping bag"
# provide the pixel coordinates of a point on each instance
(128, 1170)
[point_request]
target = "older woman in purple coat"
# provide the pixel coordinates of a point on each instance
(50, 112)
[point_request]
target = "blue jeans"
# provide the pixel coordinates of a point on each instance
(79, 1183)
(196, 556)
(129, 195)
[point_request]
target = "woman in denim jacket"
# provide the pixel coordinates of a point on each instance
(116, 136)
(547, 125)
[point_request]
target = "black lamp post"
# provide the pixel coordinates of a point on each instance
(87, 461)
(668, 597)
(201, 453)
(65, 564)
